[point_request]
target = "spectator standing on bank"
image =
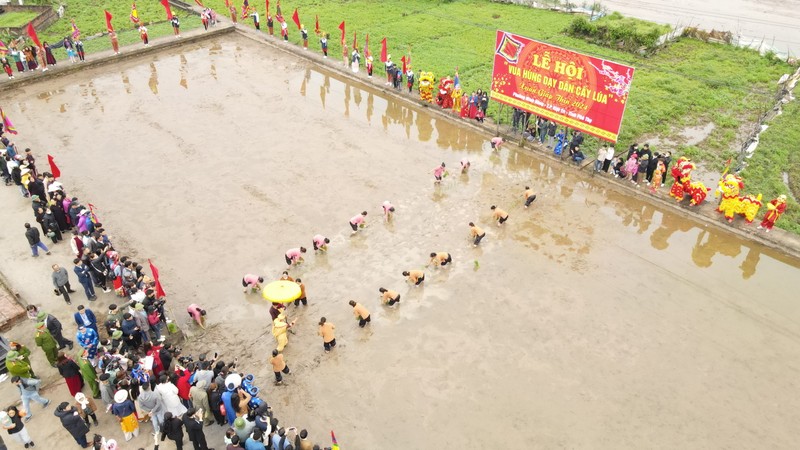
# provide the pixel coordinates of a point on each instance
(35, 240)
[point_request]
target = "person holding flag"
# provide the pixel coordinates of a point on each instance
(245, 9)
(233, 14)
(143, 35)
(304, 35)
(323, 42)
(111, 33)
(76, 33)
(270, 24)
(176, 26)
(409, 78)
(204, 16)
(282, 21)
(134, 15)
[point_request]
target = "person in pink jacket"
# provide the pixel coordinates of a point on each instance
(198, 314)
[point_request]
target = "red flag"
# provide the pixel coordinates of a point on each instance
(355, 41)
(199, 3)
(165, 4)
(32, 34)
(296, 19)
(384, 52)
(403, 60)
(159, 290)
(109, 27)
(366, 47)
(341, 27)
(278, 8)
(53, 167)
(267, 7)
(316, 26)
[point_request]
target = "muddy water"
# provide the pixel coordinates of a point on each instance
(589, 320)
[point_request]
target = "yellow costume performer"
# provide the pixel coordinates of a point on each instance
(457, 93)
(280, 330)
(426, 80)
(733, 202)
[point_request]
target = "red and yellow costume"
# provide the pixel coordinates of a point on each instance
(733, 202)
(426, 80)
(683, 185)
(445, 99)
(775, 208)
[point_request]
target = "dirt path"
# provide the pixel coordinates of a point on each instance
(588, 321)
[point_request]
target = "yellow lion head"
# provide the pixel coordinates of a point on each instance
(731, 185)
(426, 79)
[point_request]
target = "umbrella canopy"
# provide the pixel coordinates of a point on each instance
(282, 291)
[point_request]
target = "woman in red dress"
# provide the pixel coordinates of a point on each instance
(71, 373)
(48, 54)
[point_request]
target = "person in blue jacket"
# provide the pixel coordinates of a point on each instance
(85, 317)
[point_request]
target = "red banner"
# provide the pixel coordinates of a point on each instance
(580, 91)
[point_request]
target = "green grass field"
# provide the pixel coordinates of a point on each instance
(688, 83)
(16, 18)
(776, 155)
(91, 21)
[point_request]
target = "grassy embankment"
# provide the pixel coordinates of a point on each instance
(777, 154)
(16, 18)
(89, 18)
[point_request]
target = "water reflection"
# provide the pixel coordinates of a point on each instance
(126, 82)
(47, 95)
(750, 263)
(424, 127)
(183, 72)
(324, 89)
(304, 84)
(215, 48)
(670, 223)
(708, 244)
(347, 100)
(153, 81)
(370, 107)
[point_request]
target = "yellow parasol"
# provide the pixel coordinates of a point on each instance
(281, 291)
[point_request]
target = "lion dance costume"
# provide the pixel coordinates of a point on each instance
(733, 203)
(775, 208)
(683, 185)
(445, 99)
(426, 80)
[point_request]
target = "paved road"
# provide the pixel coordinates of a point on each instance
(776, 22)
